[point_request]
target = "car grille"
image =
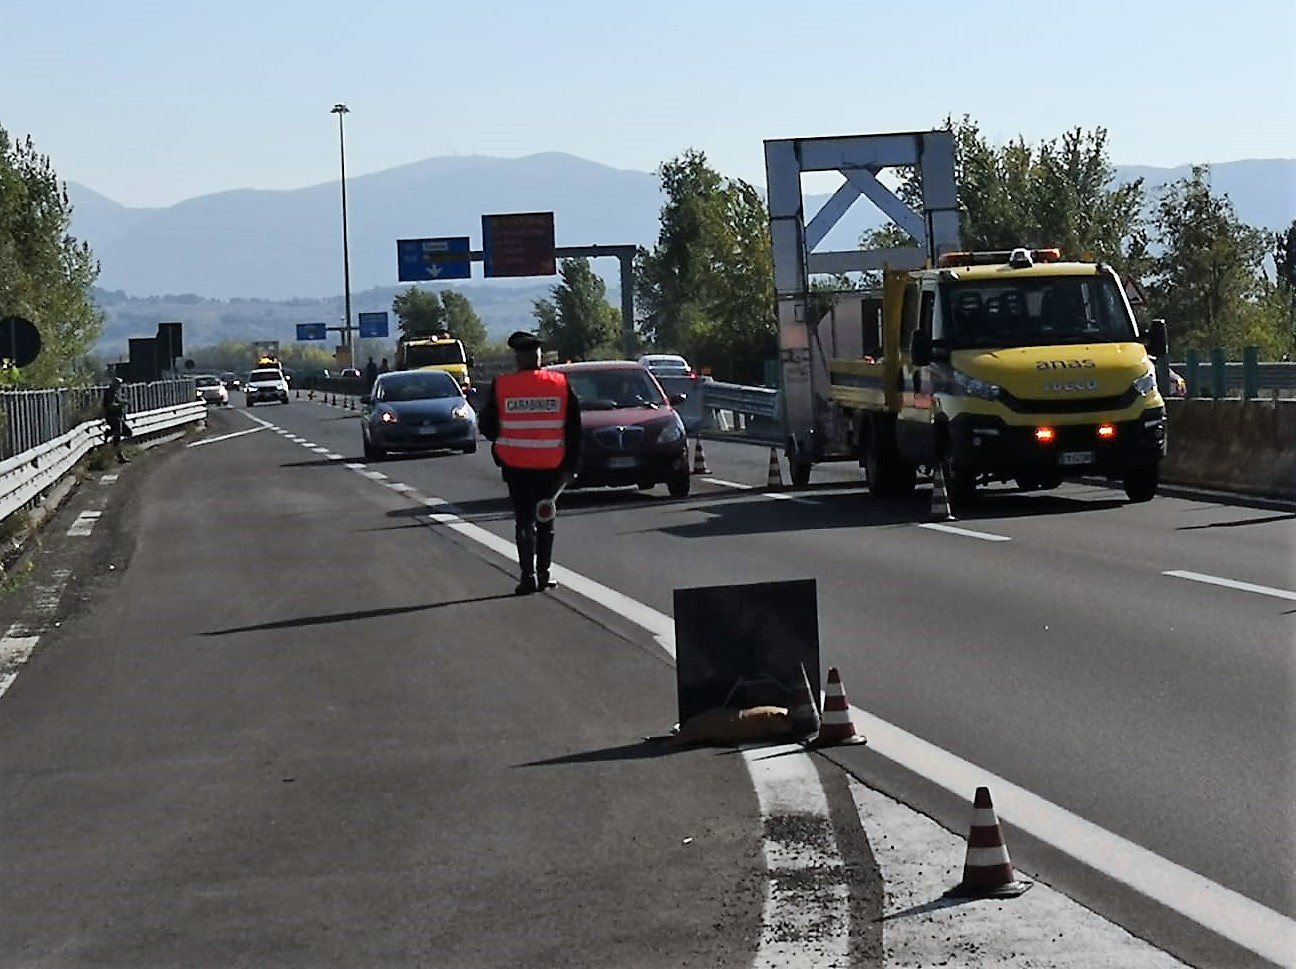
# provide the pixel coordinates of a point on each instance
(619, 438)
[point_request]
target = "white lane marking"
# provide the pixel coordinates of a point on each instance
(46, 598)
(399, 486)
(1264, 590)
(16, 646)
(374, 475)
(333, 456)
(1221, 910)
(787, 780)
(806, 920)
(784, 496)
(355, 466)
(317, 449)
(224, 437)
(84, 524)
(258, 420)
(919, 860)
(108, 478)
(729, 484)
(965, 532)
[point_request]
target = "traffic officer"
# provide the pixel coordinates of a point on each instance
(533, 419)
(114, 412)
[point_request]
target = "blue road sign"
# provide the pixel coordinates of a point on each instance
(373, 326)
(419, 260)
(312, 331)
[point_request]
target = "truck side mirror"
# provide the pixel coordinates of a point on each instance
(1158, 339)
(470, 362)
(920, 348)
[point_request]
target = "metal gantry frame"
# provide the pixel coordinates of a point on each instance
(859, 158)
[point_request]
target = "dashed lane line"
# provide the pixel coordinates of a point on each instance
(964, 532)
(1264, 590)
(109, 478)
(19, 641)
(84, 524)
(224, 437)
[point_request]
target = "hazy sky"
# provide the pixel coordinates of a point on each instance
(152, 102)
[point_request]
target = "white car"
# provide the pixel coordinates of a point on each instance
(666, 365)
(211, 390)
(265, 384)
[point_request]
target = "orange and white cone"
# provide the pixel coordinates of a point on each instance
(836, 727)
(699, 459)
(940, 505)
(987, 871)
(774, 481)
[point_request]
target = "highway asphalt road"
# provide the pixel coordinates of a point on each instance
(1060, 657)
(277, 727)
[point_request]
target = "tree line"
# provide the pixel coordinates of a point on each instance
(705, 288)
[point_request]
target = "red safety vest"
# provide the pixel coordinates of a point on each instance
(532, 418)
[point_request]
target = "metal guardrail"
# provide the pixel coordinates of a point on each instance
(1270, 378)
(33, 417)
(752, 414)
(26, 476)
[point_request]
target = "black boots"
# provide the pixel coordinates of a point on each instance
(544, 555)
(526, 548)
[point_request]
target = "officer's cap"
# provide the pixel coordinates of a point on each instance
(521, 341)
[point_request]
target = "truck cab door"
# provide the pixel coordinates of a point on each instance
(914, 430)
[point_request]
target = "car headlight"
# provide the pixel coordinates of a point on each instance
(388, 417)
(461, 413)
(977, 388)
(1145, 384)
(671, 433)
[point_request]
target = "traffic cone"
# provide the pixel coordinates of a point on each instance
(803, 711)
(775, 478)
(699, 459)
(988, 871)
(940, 505)
(837, 727)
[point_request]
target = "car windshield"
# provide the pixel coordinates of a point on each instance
(1034, 311)
(417, 386)
(612, 389)
(206, 382)
(259, 376)
(434, 355)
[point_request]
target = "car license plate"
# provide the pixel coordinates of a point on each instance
(619, 463)
(430, 429)
(1076, 457)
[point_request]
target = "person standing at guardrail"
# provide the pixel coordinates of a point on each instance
(532, 418)
(114, 412)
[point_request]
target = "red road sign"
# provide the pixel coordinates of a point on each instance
(520, 244)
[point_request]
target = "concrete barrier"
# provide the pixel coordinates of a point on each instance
(1243, 446)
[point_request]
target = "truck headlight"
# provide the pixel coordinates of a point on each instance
(1145, 384)
(977, 388)
(671, 433)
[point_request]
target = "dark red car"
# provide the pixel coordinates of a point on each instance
(632, 434)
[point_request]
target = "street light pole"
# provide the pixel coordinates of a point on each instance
(340, 110)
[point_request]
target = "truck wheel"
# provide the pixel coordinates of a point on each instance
(960, 483)
(888, 474)
(679, 485)
(1141, 482)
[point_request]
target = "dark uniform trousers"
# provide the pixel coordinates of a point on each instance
(535, 540)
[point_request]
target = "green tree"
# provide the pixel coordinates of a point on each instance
(1057, 193)
(707, 287)
(1284, 255)
(462, 320)
(419, 312)
(577, 322)
(1209, 281)
(46, 275)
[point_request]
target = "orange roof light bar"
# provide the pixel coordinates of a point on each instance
(995, 257)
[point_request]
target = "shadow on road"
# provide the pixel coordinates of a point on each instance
(497, 508)
(643, 750)
(1267, 520)
(353, 616)
(321, 462)
(935, 905)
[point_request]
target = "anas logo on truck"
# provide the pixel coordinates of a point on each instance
(1071, 385)
(1085, 364)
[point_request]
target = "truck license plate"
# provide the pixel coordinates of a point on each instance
(1076, 457)
(620, 463)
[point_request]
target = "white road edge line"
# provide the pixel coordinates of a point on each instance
(729, 484)
(224, 437)
(84, 524)
(965, 532)
(1221, 910)
(1264, 590)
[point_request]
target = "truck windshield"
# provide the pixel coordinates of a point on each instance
(1033, 311)
(434, 355)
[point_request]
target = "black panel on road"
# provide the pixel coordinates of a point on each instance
(740, 646)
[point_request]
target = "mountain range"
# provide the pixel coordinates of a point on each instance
(250, 245)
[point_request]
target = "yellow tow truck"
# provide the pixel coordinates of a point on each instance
(436, 352)
(1002, 366)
